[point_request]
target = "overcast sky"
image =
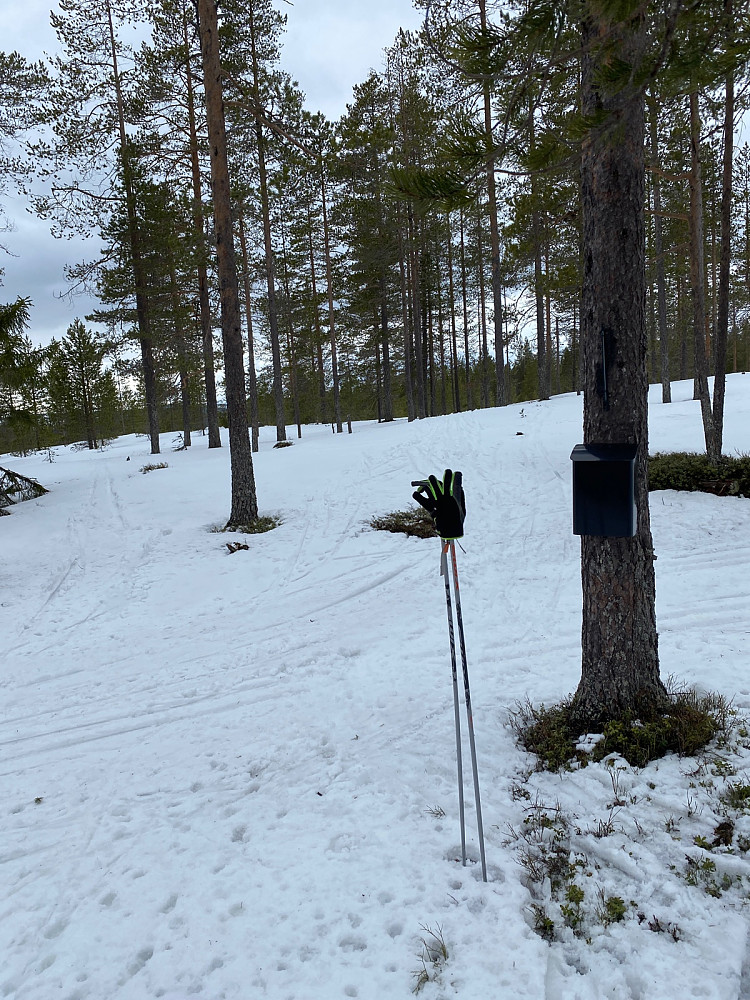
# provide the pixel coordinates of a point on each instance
(329, 47)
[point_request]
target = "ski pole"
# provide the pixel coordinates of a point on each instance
(457, 715)
(467, 694)
(446, 503)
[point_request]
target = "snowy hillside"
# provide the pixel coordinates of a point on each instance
(233, 776)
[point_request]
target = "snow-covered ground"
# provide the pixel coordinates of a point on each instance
(233, 775)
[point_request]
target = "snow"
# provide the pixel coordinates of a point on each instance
(233, 775)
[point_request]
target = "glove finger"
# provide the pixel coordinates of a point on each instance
(448, 482)
(458, 489)
(426, 501)
(436, 487)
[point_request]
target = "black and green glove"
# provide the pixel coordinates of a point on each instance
(445, 502)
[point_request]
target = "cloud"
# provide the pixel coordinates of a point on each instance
(35, 268)
(329, 47)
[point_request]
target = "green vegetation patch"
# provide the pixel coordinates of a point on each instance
(415, 521)
(690, 471)
(689, 723)
(258, 527)
(736, 796)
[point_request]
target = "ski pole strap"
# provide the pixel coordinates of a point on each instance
(444, 500)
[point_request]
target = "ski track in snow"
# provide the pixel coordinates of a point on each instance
(234, 776)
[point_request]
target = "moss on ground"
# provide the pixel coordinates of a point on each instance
(688, 724)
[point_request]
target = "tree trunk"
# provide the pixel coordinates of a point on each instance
(149, 376)
(291, 349)
(386, 344)
(273, 323)
(441, 349)
(454, 344)
(88, 414)
(430, 348)
(252, 378)
(378, 385)
(465, 301)
(141, 300)
(497, 286)
(182, 359)
(482, 319)
(722, 318)
(316, 323)
(416, 313)
(203, 305)
(620, 663)
(331, 311)
(244, 501)
(682, 326)
(408, 382)
(574, 353)
(536, 237)
(698, 278)
(541, 337)
(661, 287)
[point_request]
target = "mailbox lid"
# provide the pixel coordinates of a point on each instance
(604, 453)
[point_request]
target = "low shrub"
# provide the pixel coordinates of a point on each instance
(258, 527)
(688, 724)
(415, 521)
(691, 471)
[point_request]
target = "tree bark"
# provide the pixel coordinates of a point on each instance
(661, 286)
(416, 313)
(203, 305)
(386, 346)
(291, 348)
(316, 323)
(698, 277)
(620, 663)
(141, 300)
(497, 286)
(441, 348)
(252, 378)
(182, 358)
(722, 318)
(244, 501)
(331, 311)
(452, 309)
(273, 323)
(536, 237)
(465, 301)
(482, 318)
(408, 381)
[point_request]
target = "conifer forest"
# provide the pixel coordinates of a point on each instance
(424, 254)
(234, 732)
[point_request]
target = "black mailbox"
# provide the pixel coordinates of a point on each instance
(604, 490)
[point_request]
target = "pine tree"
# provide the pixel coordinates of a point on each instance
(22, 85)
(82, 396)
(90, 105)
(244, 509)
(19, 376)
(170, 69)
